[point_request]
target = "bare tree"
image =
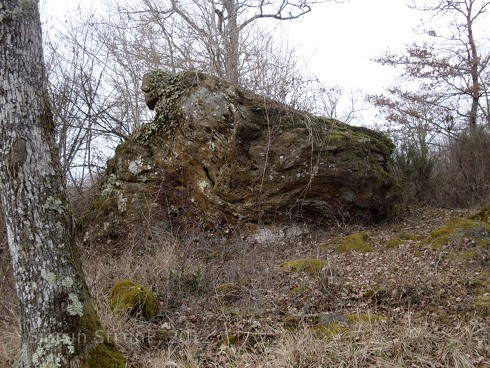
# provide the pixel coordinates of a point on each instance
(212, 35)
(448, 73)
(59, 326)
(96, 63)
(442, 110)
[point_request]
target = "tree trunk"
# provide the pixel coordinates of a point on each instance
(474, 64)
(59, 326)
(232, 42)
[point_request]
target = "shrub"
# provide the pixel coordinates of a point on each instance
(463, 170)
(412, 164)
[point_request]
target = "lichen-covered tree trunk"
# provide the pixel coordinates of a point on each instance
(59, 326)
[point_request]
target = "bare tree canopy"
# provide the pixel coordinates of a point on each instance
(448, 72)
(442, 108)
(96, 63)
(215, 32)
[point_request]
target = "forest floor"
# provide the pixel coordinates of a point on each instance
(414, 292)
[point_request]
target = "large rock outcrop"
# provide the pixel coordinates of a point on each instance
(215, 153)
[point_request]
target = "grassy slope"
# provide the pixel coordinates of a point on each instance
(225, 302)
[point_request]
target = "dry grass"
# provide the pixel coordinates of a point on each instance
(404, 344)
(224, 302)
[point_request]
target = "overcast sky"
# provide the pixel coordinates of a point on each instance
(342, 39)
(338, 40)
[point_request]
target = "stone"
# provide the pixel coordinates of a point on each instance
(134, 300)
(216, 153)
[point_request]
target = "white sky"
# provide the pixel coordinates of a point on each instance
(342, 39)
(339, 40)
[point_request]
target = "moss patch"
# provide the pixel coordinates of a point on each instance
(466, 255)
(297, 290)
(228, 292)
(458, 227)
(406, 236)
(310, 266)
(355, 242)
(484, 214)
(292, 323)
(393, 243)
(328, 332)
(132, 299)
(483, 304)
(377, 295)
(105, 355)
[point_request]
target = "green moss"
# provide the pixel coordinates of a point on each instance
(89, 322)
(484, 242)
(291, 323)
(230, 339)
(133, 299)
(406, 236)
(457, 227)
(483, 304)
(328, 332)
(393, 243)
(376, 295)
(484, 214)
(167, 335)
(297, 290)
(310, 266)
(466, 255)
(225, 287)
(355, 242)
(228, 292)
(105, 355)
(168, 88)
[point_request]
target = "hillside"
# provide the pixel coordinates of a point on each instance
(408, 297)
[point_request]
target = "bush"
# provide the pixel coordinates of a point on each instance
(412, 164)
(453, 173)
(463, 170)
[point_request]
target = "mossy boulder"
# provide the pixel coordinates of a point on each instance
(220, 153)
(310, 266)
(459, 228)
(484, 214)
(132, 299)
(357, 242)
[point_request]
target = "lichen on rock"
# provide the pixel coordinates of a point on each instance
(218, 153)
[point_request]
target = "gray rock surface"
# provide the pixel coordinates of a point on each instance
(217, 153)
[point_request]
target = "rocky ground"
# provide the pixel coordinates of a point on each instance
(410, 293)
